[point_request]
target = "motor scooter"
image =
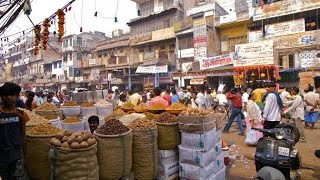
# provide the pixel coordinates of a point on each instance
(275, 155)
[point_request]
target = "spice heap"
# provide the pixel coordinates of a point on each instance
(141, 108)
(86, 105)
(142, 125)
(71, 120)
(49, 116)
(196, 112)
(112, 127)
(128, 105)
(157, 107)
(70, 103)
(166, 118)
(44, 129)
(102, 102)
(119, 112)
(76, 140)
(177, 106)
(34, 119)
(151, 116)
(47, 107)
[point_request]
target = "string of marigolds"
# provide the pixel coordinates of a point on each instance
(44, 35)
(37, 32)
(61, 19)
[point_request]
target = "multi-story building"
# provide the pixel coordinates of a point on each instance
(17, 57)
(153, 40)
(113, 55)
(292, 27)
(75, 48)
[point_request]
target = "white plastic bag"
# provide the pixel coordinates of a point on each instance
(251, 138)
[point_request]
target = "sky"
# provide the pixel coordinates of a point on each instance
(81, 14)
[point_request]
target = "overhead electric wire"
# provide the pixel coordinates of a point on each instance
(11, 19)
(9, 8)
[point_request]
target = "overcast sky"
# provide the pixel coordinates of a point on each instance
(41, 9)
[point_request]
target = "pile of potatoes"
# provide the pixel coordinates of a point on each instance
(77, 140)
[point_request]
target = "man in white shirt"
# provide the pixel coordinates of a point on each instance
(312, 100)
(201, 97)
(222, 98)
(244, 98)
(285, 96)
(273, 107)
(296, 111)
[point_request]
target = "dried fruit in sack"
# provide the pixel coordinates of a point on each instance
(196, 112)
(103, 102)
(128, 105)
(44, 129)
(151, 116)
(70, 103)
(86, 105)
(177, 106)
(112, 127)
(119, 112)
(71, 120)
(47, 107)
(142, 125)
(157, 107)
(34, 119)
(141, 108)
(49, 116)
(166, 118)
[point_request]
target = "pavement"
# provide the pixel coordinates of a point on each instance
(242, 166)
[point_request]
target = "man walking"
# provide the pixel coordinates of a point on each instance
(272, 110)
(236, 111)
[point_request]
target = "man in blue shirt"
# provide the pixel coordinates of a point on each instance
(175, 97)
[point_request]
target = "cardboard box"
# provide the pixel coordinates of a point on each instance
(189, 171)
(221, 175)
(168, 171)
(196, 157)
(168, 156)
(204, 141)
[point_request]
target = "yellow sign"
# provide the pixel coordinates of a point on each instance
(8, 71)
(163, 34)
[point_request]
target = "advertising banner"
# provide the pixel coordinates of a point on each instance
(152, 69)
(255, 36)
(285, 28)
(200, 39)
(216, 61)
(258, 53)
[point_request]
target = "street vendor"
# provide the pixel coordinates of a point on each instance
(158, 99)
(93, 123)
(12, 133)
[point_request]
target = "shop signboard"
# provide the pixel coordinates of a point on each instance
(310, 59)
(297, 40)
(152, 69)
(200, 39)
(255, 36)
(116, 81)
(258, 53)
(284, 7)
(284, 28)
(216, 61)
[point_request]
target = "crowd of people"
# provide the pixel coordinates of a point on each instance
(243, 104)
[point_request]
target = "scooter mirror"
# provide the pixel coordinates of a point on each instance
(280, 134)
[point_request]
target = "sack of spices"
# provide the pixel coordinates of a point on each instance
(74, 164)
(37, 149)
(168, 131)
(114, 149)
(144, 149)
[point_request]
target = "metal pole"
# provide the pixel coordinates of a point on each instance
(129, 79)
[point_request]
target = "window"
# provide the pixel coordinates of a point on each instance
(70, 56)
(55, 65)
(65, 43)
(59, 65)
(79, 56)
(79, 41)
(186, 42)
(70, 43)
(228, 44)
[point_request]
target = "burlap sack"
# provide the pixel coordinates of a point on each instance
(168, 136)
(114, 155)
(145, 154)
(74, 164)
(36, 155)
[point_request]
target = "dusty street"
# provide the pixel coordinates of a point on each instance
(244, 167)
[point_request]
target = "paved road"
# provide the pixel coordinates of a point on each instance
(243, 167)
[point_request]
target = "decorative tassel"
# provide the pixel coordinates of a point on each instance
(115, 19)
(96, 14)
(80, 29)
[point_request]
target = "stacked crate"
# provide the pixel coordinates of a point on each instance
(200, 154)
